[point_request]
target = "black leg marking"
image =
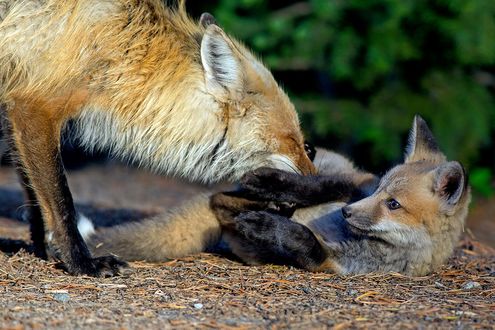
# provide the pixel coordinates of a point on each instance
(72, 247)
(32, 213)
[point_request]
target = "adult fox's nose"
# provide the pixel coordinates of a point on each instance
(346, 212)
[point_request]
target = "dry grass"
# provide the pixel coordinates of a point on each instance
(212, 292)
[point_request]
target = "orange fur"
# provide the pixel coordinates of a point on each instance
(143, 81)
(140, 64)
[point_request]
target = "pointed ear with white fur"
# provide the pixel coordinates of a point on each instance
(422, 144)
(222, 66)
(450, 183)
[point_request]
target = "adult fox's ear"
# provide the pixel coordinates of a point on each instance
(221, 63)
(450, 183)
(207, 19)
(422, 144)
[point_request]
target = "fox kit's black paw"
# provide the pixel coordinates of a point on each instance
(262, 237)
(262, 177)
(105, 266)
(281, 208)
(271, 184)
(280, 186)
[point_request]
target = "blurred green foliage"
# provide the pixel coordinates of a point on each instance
(358, 71)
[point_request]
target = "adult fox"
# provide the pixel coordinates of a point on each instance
(408, 222)
(143, 81)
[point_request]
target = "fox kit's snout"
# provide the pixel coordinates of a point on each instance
(416, 200)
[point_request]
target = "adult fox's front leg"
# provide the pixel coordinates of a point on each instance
(31, 210)
(36, 127)
(32, 213)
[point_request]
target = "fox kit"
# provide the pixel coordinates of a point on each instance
(146, 83)
(407, 222)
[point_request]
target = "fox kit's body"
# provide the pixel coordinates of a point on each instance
(408, 223)
(144, 82)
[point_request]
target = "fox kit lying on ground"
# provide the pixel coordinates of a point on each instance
(143, 81)
(409, 224)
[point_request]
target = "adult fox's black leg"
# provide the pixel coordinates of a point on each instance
(32, 213)
(36, 133)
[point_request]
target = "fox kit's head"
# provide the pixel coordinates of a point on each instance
(421, 204)
(261, 124)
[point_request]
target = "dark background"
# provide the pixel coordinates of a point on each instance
(358, 71)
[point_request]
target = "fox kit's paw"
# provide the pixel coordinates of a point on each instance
(282, 208)
(269, 184)
(105, 266)
(262, 237)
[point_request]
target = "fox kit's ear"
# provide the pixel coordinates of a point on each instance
(223, 72)
(450, 182)
(422, 144)
(207, 19)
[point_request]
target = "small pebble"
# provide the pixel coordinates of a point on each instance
(466, 313)
(198, 306)
(62, 297)
(471, 285)
(352, 292)
(159, 293)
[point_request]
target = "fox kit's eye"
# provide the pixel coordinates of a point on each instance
(310, 151)
(392, 204)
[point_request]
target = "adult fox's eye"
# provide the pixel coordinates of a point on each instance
(392, 204)
(310, 151)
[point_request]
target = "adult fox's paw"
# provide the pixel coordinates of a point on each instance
(106, 266)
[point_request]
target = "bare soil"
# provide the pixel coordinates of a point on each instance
(210, 291)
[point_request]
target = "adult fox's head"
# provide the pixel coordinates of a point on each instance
(261, 123)
(420, 203)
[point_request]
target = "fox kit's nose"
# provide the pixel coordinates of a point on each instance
(346, 212)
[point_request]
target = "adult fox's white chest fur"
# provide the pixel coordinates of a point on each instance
(146, 83)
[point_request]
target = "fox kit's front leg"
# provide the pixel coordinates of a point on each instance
(257, 235)
(277, 185)
(36, 127)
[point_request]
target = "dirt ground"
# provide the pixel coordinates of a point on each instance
(209, 291)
